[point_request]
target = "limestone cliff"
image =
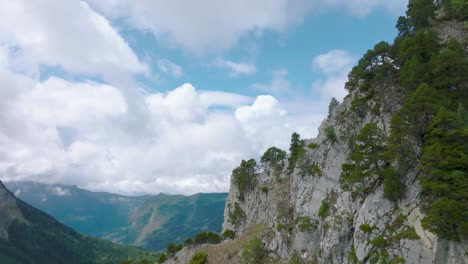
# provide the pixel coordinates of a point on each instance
(292, 202)
(319, 208)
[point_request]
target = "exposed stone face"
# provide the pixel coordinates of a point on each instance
(451, 29)
(331, 238)
(358, 226)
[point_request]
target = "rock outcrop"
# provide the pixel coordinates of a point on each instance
(340, 234)
(314, 216)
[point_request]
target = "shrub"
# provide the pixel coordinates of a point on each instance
(244, 177)
(228, 234)
(304, 223)
(253, 252)
(330, 135)
(366, 228)
(162, 258)
(171, 249)
(236, 216)
(264, 189)
(312, 145)
(378, 241)
(323, 210)
(352, 258)
(275, 157)
(333, 104)
(314, 169)
(408, 233)
(199, 258)
(188, 242)
(296, 150)
(206, 238)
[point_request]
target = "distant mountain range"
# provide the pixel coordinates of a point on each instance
(147, 221)
(30, 236)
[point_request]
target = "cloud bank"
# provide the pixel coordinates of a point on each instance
(208, 26)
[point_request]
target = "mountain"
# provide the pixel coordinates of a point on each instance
(386, 179)
(28, 235)
(147, 221)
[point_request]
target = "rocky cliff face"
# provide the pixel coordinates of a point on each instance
(292, 203)
(313, 214)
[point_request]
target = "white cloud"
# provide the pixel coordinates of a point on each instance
(207, 25)
(59, 191)
(278, 84)
(335, 65)
(96, 101)
(236, 68)
(333, 61)
(362, 8)
(214, 25)
(217, 98)
(169, 68)
(87, 134)
(65, 33)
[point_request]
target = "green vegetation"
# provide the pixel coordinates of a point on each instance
(178, 216)
(366, 228)
(330, 135)
(253, 252)
(375, 64)
(244, 177)
(429, 132)
(172, 249)
(324, 209)
(333, 104)
(264, 189)
(199, 258)
(312, 145)
(228, 234)
(44, 240)
(162, 258)
(456, 9)
(304, 223)
(365, 160)
(295, 259)
(379, 242)
(236, 216)
(313, 169)
(206, 238)
(352, 258)
(275, 157)
(296, 150)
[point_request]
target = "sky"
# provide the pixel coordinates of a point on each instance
(150, 96)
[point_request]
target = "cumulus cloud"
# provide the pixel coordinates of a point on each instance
(213, 25)
(48, 32)
(106, 136)
(335, 66)
(278, 84)
(86, 134)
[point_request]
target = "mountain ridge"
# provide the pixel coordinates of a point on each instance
(127, 219)
(33, 236)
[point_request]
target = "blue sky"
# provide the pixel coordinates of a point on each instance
(169, 96)
(292, 50)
